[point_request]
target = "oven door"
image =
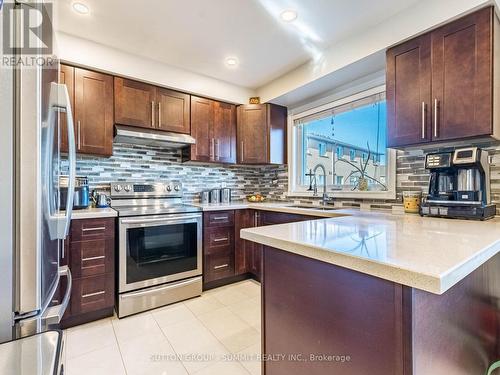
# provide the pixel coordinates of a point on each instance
(158, 249)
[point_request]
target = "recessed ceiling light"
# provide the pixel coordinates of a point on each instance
(81, 8)
(231, 61)
(288, 15)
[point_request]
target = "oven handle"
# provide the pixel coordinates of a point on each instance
(163, 219)
(161, 289)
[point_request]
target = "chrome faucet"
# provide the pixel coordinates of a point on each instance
(325, 198)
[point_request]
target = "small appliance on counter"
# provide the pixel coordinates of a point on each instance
(100, 200)
(225, 195)
(205, 197)
(81, 198)
(459, 185)
(215, 196)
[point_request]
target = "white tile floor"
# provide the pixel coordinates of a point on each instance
(215, 334)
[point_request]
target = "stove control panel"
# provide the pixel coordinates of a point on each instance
(144, 190)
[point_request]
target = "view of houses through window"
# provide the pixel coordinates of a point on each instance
(349, 142)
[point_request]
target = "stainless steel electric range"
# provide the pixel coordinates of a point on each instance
(160, 246)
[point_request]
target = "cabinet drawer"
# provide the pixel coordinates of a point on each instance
(219, 218)
(92, 294)
(91, 258)
(92, 229)
(218, 237)
(219, 265)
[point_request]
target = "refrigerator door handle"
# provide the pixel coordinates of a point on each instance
(71, 157)
(59, 102)
(54, 314)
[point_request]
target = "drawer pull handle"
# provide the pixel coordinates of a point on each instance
(93, 229)
(93, 258)
(220, 218)
(221, 239)
(221, 266)
(93, 294)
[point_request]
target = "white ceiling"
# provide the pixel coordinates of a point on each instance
(198, 35)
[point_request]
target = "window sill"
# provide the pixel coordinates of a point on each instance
(384, 195)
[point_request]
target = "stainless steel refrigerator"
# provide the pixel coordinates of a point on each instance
(32, 227)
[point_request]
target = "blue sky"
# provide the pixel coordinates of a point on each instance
(355, 127)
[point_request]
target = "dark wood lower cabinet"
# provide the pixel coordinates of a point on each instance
(228, 257)
(264, 218)
(243, 249)
(367, 325)
(90, 255)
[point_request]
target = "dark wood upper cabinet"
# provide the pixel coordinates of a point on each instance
(224, 132)
(409, 92)
(91, 97)
(213, 125)
(146, 106)
(93, 112)
(440, 86)
(202, 119)
(261, 134)
(173, 111)
(134, 103)
(462, 77)
(67, 77)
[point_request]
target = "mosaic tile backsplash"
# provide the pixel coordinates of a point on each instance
(147, 163)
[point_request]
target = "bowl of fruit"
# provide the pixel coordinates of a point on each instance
(256, 198)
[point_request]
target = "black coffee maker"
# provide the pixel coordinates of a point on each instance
(459, 185)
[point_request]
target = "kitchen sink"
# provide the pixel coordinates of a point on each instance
(317, 208)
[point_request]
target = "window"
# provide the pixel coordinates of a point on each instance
(354, 128)
(340, 152)
(322, 149)
(352, 155)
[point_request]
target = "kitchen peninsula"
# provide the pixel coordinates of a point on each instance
(393, 294)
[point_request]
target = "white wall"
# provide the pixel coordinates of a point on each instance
(423, 16)
(93, 55)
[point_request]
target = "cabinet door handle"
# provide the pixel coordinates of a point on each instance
(221, 239)
(221, 266)
(79, 131)
(152, 114)
(212, 148)
(241, 152)
(436, 107)
(93, 258)
(220, 218)
(93, 294)
(218, 150)
(159, 114)
(93, 229)
(423, 120)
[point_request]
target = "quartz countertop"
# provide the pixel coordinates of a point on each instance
(93, 213)
(286, 207)
(429, 254)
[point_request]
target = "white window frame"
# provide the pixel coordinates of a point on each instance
(295, 162)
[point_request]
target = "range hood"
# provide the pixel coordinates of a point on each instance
(136, 136)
